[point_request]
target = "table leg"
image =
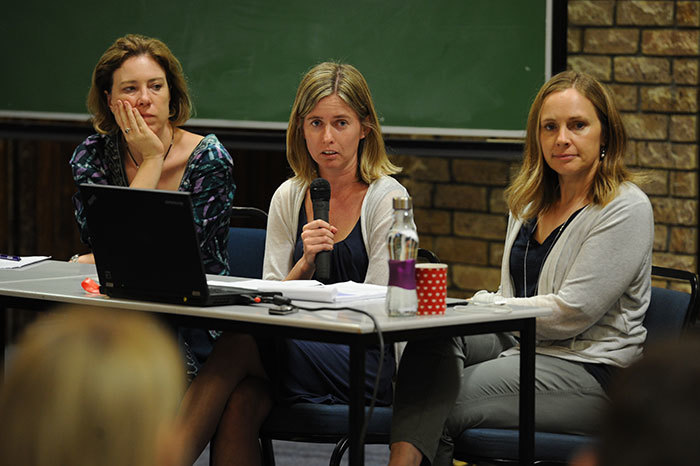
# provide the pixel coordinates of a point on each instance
(357, 402)
(527, 393)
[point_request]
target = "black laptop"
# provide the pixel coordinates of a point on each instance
(146, 247)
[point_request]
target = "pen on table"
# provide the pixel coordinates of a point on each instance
(10, 258)
(462, 302)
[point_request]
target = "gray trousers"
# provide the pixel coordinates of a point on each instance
(447, 386)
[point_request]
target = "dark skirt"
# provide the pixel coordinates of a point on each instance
(316, 372)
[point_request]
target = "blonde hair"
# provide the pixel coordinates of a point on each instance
(346, 82)
(536, 184)
(89, 387)
(135, 45)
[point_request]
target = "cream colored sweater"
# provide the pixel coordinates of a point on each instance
(376, 216)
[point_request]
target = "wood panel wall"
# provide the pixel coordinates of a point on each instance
(36, 186)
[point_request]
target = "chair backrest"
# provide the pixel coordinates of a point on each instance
(246, 250)
(249, 217)
(671, 311)
(246, 246)
(426, 255)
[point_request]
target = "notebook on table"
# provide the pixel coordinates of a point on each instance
(146, 247)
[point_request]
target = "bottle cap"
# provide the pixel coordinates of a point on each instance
(403, 203)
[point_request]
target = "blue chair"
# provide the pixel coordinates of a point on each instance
(669, 314)
(321, 423)
(246, 246)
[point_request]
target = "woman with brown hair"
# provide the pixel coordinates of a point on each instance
(138, 101)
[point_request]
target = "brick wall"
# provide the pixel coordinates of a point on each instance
(461, 215)
(648, 53)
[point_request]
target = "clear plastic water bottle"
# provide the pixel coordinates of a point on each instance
(401, 298)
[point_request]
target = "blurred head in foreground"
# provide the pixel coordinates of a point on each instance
(654, 411)
(88, 387)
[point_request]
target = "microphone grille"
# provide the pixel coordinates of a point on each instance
(320, 190)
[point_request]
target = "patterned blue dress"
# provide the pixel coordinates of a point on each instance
(208, 177)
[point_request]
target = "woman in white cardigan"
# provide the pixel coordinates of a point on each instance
(333, 133)
(579, 242)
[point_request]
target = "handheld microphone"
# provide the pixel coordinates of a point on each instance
(320, 190)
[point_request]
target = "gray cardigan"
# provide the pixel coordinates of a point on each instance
(596, 280)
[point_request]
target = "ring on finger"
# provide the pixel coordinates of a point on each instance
(126, 130)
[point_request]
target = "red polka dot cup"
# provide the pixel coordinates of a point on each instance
(431, 286)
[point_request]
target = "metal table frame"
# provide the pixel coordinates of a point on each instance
(45, 285)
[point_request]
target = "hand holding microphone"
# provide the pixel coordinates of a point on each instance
(320, 191)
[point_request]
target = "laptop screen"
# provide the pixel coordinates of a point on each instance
(144, 241)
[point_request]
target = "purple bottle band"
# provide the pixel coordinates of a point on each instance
(402, 274)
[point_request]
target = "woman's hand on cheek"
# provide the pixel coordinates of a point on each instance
(118, 111)
(139, 135)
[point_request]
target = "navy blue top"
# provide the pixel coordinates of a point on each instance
(536, 255)
(349, 260)
(319, 372)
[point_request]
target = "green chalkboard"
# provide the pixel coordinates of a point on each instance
(467, 67)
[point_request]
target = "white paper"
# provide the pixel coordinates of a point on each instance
(312, 290)
(26, 260)
(350, 291)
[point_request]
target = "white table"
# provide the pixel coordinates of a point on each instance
(46, 284)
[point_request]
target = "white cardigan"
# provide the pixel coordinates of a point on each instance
(376, 217)
(596, 280)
